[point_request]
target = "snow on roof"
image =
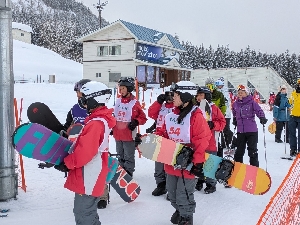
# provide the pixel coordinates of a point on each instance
(21, 26)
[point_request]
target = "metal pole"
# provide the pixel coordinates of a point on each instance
(8, 176)
(100, 16)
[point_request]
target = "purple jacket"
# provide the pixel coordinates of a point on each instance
(245, 110)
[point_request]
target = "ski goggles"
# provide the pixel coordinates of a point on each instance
(84, 99)
(211, 86)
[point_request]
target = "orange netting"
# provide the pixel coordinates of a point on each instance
(284, 206)
(18, 158)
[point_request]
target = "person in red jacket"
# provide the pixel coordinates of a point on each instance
(157, 111)
(129, 114)
(216, 122)
(256, 97)
(186, 125)
(87, 162)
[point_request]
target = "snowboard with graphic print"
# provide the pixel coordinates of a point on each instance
(35, 141)
(245, 177)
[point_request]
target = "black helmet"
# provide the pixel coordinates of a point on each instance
(128, 82)
(78, 85)
(206, 91)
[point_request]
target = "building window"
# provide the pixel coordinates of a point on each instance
(115, 50)
(102, 50)
(22, 34)
(98, 74)
(108, 50)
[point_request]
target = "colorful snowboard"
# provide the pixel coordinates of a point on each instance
(35, 141)
(247, 178)
(121, 181)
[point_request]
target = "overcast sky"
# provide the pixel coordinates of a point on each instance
(266, 25)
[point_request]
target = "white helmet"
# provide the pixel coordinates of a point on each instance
(219, 83)
(94, 94)
(185, 86)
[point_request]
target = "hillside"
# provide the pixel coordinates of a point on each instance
(56, 24)
(31, 60)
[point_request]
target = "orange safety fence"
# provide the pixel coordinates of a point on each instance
(284, 206)
(19, 159)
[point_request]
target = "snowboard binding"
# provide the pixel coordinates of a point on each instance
(184, 158)
(225, 170)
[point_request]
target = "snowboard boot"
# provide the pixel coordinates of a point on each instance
(186, 220)
(175, 217)
(209, 189)
(167, 198)
(293, 153)
(102, 204)
(160, 189)
(199, 185)
(278, 140)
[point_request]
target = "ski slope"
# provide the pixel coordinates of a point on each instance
(31, 60)
(47, 202)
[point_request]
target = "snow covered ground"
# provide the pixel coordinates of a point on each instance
(47, 202)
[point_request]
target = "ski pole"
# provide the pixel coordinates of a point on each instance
(285, 131)
(265, 146)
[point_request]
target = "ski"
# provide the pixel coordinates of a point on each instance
(288, 158)
(4, 215)
(4, 210)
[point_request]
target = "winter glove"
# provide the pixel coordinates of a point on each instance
(45, 165)
(133, 124)
(197, 170)
(151, 129)
(211, 124)
(234, 122)
(62, 167)
(137, 140)
(263, 120)
(161, 98)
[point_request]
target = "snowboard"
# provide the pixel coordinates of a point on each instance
(40, 113)
(121, 181)
(245, 177)
(35, 141)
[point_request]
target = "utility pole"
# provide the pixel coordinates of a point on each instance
(8, 176)
(100, 7)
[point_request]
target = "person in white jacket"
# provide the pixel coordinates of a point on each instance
(227, 134)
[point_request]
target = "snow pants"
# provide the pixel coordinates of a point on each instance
(250, 139)
(279, 127)
(126, 152)
(294, 123)
(178, 197)
(85, 210)
(159, 173)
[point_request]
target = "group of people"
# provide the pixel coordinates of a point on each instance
(286, 112)
(180, 110)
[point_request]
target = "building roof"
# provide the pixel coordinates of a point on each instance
(21, 26)
(142, 34)
(150, 35)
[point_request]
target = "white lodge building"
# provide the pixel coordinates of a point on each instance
(126, 49)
